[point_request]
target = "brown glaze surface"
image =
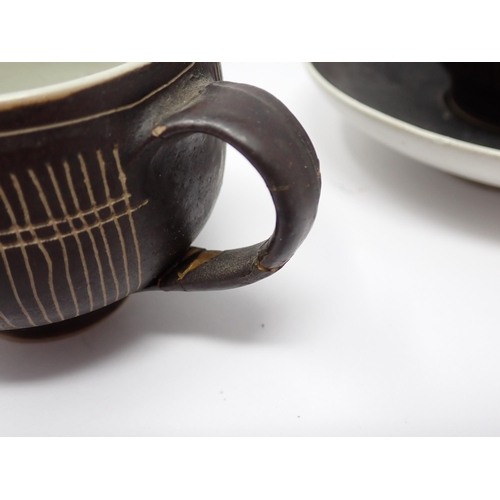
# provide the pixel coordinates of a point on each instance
(102, 191)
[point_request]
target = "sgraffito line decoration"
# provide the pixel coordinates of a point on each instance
(96, 213)
(64, 227)
(73, 232)
(38, 242)
(22, 246)
(14, 288)
(60, 238)
(123, 180)
(87, 228)
(102, 166)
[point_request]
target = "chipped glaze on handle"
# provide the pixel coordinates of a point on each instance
(261, 128)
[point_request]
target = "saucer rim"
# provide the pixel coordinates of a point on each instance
(414, 132)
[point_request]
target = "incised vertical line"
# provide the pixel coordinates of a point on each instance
(107, 192)
(73, 231)
(39, 244)
(87, 229)
(13, 286)
(21, 243)
(123, 180)
(45, 203)
(6, 321)
(98, 217)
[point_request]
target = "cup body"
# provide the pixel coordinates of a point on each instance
(93, 204)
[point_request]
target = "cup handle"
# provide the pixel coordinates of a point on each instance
(261, 128)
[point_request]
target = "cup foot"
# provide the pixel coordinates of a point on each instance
(62, 329)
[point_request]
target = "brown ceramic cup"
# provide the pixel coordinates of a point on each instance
(107, 178)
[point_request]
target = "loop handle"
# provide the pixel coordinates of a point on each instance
(261, 128)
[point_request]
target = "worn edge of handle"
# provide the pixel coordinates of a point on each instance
(201, 269)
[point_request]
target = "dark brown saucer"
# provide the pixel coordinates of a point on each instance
(415, 93)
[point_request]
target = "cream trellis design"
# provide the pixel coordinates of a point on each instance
(64, 228)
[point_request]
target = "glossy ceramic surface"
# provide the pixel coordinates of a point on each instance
(107, 179)
(404, 106)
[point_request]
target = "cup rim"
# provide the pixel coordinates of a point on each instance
(9, 100)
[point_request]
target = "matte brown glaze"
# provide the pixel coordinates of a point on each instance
(102, 190)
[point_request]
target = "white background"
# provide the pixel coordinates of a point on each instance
(386, 322)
